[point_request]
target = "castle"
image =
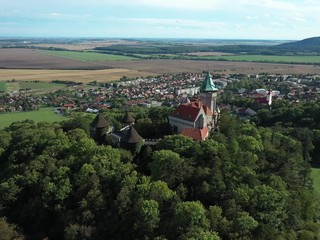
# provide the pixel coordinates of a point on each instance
(193, 119)
(196, 119)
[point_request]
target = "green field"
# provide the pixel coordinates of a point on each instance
(266, 58)
(38, 85)
(3, 86)
(88, 56)
(12, 86)
(42, 115)
(240, 58)
(315, 175)
(15, 86)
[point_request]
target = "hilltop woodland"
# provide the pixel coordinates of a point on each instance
(309, 46)
(244, 182)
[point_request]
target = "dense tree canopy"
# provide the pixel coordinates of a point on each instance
(244, 182)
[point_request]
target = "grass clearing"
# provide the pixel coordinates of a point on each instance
(88, 56)
(12, 86)
(3, 86)
(38, 85)
(41, 115)
(315, 175)
(16, 86)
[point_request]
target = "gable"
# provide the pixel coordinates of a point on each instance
(186, 112)
(190, 111)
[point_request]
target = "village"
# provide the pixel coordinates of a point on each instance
(167, 90)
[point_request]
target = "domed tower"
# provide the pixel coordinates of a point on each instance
(209, 93)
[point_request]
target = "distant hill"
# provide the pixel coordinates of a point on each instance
(306, 45)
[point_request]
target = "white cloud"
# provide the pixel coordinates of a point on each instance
(170, 22)
(251, 17)
(306, 7)
(277, 24)
(184, 4)
(62, 16)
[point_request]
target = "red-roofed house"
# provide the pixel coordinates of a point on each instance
(196, 119)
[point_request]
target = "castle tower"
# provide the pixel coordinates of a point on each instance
(127, 119)
(98, 128)
(209, 93)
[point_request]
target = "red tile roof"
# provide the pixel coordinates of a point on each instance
(186, 112)
(196, 133)
(261, 100)
(69, 105)
(207, 110)
(190, 111)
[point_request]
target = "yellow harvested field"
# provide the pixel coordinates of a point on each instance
(84, 76)
(85, 45)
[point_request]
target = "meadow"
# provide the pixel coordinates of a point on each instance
(39, 85)
(12, 86)
(2, 87)
(88, 56)
(41, 115)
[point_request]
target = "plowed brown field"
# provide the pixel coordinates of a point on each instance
(177, 66)
(30, 64)
(35, 59)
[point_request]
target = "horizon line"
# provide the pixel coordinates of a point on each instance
(172, 38)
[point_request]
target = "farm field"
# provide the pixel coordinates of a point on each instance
(209, 54)
(160, 66)
(42, 115)
(218, 56)
(39, 85)
(18, 58)
(31, 65)
(34, 86)
(88, 56)
(84, 45)
(84, 76)
(264, 58)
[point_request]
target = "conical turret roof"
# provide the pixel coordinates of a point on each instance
(208, 85)
(127, 118)
(132, 136)
(99, 122)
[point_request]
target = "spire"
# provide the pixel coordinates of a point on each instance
(133, 136)
(99, 122)
(207, 84)
(128, 119)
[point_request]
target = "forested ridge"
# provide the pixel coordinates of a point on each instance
(244, 182)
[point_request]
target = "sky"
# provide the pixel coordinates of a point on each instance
(209, 19)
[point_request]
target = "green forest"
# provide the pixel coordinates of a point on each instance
(247, 181)
(307, 47)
